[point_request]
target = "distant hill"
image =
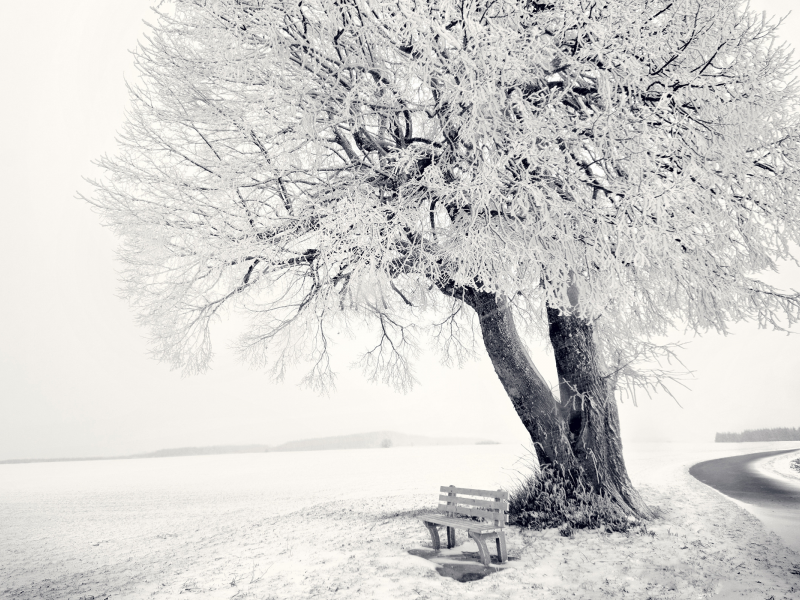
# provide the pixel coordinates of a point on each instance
(201, 450)
(777, 434)
(375, 439)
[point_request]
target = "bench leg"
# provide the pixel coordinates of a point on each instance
(483, 551)
(451, 537)
(434, 535)
(502, 552)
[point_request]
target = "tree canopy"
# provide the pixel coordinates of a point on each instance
(309, 161)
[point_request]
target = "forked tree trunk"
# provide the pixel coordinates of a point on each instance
(581, 431)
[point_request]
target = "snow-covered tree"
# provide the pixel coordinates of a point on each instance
(592, 171)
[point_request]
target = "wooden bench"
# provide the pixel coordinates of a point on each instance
(457, 511)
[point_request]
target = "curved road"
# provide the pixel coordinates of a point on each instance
(737, 477)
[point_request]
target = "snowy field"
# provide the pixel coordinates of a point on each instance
(341, 524)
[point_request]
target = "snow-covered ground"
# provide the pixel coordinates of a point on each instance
(341, 524)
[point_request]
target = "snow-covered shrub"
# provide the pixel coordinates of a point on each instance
(551, 497)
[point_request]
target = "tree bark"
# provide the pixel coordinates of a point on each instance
(588, 409)
(581, 431)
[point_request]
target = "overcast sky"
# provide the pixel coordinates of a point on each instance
(75, 377)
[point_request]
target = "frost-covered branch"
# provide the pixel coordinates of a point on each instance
(383, 159)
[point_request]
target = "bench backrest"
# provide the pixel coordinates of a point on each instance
(491, 505)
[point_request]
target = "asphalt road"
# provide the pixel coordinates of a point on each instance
(737, 477)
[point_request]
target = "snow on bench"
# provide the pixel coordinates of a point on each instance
(456, 510)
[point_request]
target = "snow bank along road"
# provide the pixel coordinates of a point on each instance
(340, 524)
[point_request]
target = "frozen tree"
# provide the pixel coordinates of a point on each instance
(590, 171)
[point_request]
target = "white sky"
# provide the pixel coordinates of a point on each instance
(75, 378)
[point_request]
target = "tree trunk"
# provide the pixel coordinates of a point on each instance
(589, 410)
(529, 392)
(581, 431)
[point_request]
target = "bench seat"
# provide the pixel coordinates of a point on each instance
(459, 522)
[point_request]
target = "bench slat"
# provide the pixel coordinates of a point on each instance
(485, 493)
(473, 512)
(460, 523)
(502, 504)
